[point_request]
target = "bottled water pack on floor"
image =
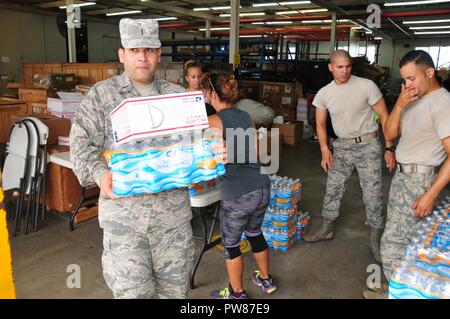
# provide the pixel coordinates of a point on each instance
(283, 224)
(284, 192)
(425, 271)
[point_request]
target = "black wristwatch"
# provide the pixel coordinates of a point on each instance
(391, 149)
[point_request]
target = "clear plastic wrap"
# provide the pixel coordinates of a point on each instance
(163, 163)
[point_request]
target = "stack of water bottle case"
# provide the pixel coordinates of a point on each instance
(164, 163)
(283, 224)
(425, 271)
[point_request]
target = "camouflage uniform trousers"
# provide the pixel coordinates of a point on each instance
(401, 222)
(148, 247)
(367, 158)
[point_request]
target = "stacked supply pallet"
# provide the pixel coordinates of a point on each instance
(425, 271)
(283, 224)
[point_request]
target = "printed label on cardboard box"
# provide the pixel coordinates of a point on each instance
(288, 88)
(137, 118)
(286, 100)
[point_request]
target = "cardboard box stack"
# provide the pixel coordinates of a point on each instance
(66, 105)
(250, 90)
(281, 97)
(291, 132)
(171, 71)
(268, 142)
(302, 110)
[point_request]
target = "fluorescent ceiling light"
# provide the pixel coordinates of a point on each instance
(293, 2)
(257, 22)
(313, 10)
(429, 28)
(250, 36)
(201, 9)
(413, 3)
(221, 8)
(278, 22)
(426, 21)
(80, 5)
(324, 21)
(366, 30)
(378, 38)
(286, 12)
(433, 32)
(271, 4)
(248, 14)
(166, 19)
(313, 21)
(339, 21)
(215, 29)
(122, 13)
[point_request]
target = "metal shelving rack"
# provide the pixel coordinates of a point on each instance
(254, 65)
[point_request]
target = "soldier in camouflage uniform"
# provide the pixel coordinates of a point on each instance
(351, 101)
(147, 239)
(421, 118)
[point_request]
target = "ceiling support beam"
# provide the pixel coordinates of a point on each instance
(54, 4)
(71, 39)
(332, 7)
(333, 32)
(233, 57)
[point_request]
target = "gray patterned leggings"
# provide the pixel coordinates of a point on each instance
(243, 214)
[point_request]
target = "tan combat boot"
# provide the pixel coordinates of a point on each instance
(325, 231)
(374, 243)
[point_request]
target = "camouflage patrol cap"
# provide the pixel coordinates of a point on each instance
(139, 33)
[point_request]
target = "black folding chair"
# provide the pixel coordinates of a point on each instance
(38, 158)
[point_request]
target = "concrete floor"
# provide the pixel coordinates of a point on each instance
(331, 269)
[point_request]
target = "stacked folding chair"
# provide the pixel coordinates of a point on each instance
(25, 169)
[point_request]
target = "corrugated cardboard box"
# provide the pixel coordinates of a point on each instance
(280, 95)
(291, 132)
(140, 118)
(249, 90)
(66, 105)
(302, 110)
(171, 71)
(265, 138)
